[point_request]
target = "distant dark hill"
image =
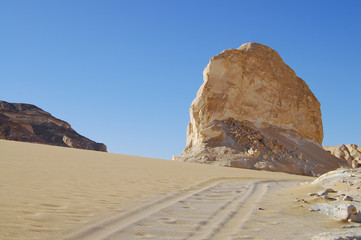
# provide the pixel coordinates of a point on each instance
(28, 123)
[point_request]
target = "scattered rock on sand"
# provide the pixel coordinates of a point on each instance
(346, 183)
(252, 111)
(343, 186)
(343, 180)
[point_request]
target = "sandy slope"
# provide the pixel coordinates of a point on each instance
(49, 192)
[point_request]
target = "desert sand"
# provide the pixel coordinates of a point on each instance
(49, 192)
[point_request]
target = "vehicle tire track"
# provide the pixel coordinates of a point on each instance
(99, 230)
(215, 211)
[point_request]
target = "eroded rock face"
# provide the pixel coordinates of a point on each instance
(350, 153)
(28, 123)
(253, 111)
(253, 83)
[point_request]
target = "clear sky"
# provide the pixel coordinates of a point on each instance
(125, 72)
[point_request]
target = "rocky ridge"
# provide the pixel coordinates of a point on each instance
(252, 111)
(350, 153)
(28, 123)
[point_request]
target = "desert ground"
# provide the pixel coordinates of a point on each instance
(49, 192)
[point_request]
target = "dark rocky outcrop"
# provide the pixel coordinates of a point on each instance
(28, 123)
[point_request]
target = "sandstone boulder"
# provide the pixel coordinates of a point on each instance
(28, 123)
(252, 111)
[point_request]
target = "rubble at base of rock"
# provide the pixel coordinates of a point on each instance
(259, 146)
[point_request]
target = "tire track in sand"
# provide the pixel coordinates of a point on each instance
(214, 211)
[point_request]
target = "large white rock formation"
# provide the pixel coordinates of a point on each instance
(253, 111)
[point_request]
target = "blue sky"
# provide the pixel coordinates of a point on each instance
(125, 72)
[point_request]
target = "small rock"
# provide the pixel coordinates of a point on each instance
(301, 200)
(312, 194)
(329, 198)
(326, 196)
(322, 193)
(348, 198)
(355, 217)
(314, 209)
(330, 190)
(352, 226)
(260, 208)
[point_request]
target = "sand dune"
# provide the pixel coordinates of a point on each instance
(49, 192)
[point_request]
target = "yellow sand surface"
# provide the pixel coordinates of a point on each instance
(47, 191)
